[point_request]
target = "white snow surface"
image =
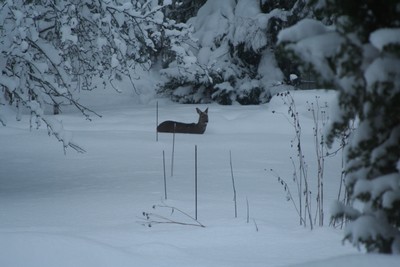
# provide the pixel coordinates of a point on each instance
(85, 209)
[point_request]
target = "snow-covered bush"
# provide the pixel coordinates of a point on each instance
(49, 50)
(232, 57)
(359, 54)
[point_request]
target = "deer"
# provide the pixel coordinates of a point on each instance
(189, 128)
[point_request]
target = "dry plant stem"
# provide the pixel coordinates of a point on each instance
(302, 182)
(302, 165)
(152, 218)
(255, 225)
(233, 183)
(165, 220)
(319, 117)
(289, 194)
(299, 188)
(304, 178)
(344, 141)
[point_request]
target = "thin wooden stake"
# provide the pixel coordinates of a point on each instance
(173, 151)
(248, 210)
(195, 180)
(233, 183)
(156, 121)
(165, 177)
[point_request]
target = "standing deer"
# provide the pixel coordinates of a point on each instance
(180, 127)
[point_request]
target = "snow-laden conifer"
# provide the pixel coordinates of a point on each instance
(232, 57)
(359, 55)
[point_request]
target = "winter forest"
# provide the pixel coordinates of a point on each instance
(295, 160)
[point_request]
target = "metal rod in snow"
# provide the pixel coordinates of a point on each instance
(165, 177)
(195, 180)
(248, 210)
(233, 183)
(173, 151)
(156, 121)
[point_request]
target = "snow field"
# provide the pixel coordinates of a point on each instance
(86, 209)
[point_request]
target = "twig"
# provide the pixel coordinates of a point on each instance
(153, 218)
(255, 224)
(289, 194)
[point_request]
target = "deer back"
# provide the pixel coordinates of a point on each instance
(180, 127)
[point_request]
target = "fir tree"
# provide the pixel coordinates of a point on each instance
(232, 55)
(359, 55)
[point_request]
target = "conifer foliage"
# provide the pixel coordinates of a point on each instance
(232, 54)
(359, 54)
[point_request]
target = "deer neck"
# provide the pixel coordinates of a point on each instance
(201, 126)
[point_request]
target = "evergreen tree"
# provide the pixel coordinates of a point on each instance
(359, 55)
(232, 55)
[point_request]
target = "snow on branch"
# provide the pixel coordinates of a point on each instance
(384, 37)
(367, 228)
(376, 187)
(56, 128)
(49, 52)
(305, 28)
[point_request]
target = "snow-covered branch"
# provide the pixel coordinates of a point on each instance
(51, 51)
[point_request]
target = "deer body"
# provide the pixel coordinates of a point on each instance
(180, 127)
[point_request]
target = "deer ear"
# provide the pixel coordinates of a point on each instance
(198, 110)
(206, 111)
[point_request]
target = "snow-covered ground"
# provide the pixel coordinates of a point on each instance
(86, 209)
